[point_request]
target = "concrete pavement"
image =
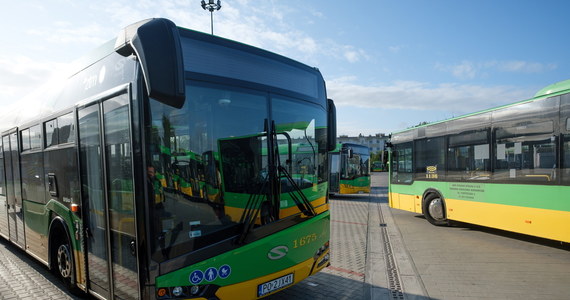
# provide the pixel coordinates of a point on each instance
(405, 257)
(381, 253)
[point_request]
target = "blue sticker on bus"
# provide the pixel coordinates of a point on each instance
(211, 274)
(196, 277)
(224, 271)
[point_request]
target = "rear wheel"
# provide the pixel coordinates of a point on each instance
(434, 209)
(63, 263)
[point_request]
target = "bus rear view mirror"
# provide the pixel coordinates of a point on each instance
(331, 125)
(350, 153)
(156, 43)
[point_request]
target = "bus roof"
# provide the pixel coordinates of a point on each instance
(548, 91)
(556, 88)
(163, 63)
(358, 148)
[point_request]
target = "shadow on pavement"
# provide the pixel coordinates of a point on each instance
(329, 286)
(507, 234)
(351, 197)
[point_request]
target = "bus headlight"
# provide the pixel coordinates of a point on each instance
(322, 250)
(177, 291)
(194, 290)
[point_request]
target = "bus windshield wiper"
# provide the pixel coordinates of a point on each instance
(297, 195)
(251, 212)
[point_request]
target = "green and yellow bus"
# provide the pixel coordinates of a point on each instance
(377, 166)
(349, 169)
(144, 176)
(506, 168)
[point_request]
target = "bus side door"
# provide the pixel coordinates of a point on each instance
(108, 197)
(13, 187)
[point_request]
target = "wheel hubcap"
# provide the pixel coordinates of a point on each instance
(436, 209)
(64, 261)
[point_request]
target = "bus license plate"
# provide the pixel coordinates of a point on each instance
(275, 284)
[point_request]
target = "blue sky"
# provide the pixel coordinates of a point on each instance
(388, 65)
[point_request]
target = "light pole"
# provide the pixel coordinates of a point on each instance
(212, 6)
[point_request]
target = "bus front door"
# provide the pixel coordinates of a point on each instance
(108, 199)
(3, 204)
(13, 188)
(334, 180)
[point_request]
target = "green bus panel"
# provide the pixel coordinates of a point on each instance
(253, 260)
(531, 196)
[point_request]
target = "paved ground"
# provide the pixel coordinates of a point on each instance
(407, 258)
(469, 262)
(358, 261)
(380, 253)
(345, 278)
(22, 277)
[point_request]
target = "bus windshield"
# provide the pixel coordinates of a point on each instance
(357, 165)
(209, 166)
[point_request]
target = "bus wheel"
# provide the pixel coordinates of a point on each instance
(434, 210)
(64, 264)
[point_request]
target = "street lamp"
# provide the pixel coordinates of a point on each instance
(212, 6)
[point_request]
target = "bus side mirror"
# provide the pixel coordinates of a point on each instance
(350, 153)
(331, 125)
(156, 43)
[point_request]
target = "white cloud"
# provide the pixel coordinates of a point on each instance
(20, 72)
(64, 38)
(525, 67)
(64, 33)
(469, 70)
(47, 76)
(353, 55)
(395, 49)
(448, 97)
(317, 14)
(463, 70)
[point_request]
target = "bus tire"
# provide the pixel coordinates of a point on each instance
(63, 264)
(434, 209)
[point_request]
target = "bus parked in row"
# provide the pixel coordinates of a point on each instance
(155, 171)
(350, 169)
(505, 168)
(377, 166)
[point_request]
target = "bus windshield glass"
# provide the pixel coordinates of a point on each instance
(357, 164)
(209, 168)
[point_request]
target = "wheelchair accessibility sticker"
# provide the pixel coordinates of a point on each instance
(211, 274)
(196, 277)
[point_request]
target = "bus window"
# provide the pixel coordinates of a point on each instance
(566, 158)
(35, 137)
(565, 129)
(224, 127)
(402, 167)
(51, 133)
(31, 164)
(60, 130)
(25, 139)
(526, 153)
(298, 128)
(66, 129)
(31, 138)
(468, 156)
(430, 158)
